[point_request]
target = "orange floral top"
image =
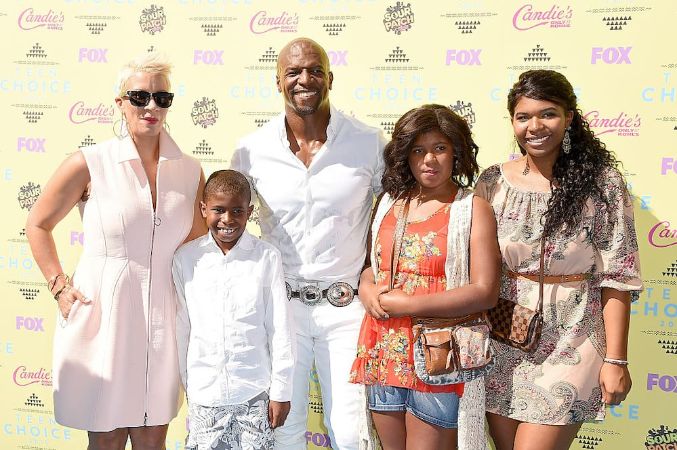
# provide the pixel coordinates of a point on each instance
(384, 348)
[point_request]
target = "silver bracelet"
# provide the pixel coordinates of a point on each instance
(617, 362)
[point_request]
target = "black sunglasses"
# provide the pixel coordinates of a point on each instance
(142, 98)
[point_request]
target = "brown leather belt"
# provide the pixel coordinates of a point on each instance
(550, 279)
(439, 322)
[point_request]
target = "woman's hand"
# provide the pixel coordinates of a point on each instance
(395, 303)
(369, 292)
(615, 383)
(69, 296)
(614, 379)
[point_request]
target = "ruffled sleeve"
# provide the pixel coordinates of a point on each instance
(617, 262)
(486, 183)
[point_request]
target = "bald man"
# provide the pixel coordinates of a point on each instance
(316, 171)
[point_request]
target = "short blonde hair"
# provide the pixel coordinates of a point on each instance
(151, 62)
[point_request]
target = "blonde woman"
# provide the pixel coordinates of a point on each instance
(115, 370)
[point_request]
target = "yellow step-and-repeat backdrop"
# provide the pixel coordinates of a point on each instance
(58, 71)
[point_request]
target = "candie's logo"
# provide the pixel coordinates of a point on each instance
(153, 19)
(80, 112)
(527, 17)
(29, 19)
(263, 22)
(661, 235)
(621, 124)
(204, 112)
(24, 377)
(398, 18)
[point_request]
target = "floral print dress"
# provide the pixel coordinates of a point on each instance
(384, 347)
(558, 384)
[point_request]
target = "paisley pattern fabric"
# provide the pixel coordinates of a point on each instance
(559, 383)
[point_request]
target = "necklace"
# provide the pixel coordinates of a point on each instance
(418, 197)
(526, 167)
(418, 200)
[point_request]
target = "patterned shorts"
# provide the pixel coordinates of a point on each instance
(233, 427)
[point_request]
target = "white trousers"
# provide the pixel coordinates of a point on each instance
(326, 335)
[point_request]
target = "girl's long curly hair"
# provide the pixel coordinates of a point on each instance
(577, 175)
(397, 177)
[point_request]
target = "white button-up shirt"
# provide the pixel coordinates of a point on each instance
(233, 327)
(316, 216)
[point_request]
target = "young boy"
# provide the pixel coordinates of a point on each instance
(233, 326)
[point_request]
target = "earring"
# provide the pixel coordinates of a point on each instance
(124, 132)
(514, 153)
(566, 143)
(165, 125)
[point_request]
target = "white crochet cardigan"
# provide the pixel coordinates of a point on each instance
(471, 434)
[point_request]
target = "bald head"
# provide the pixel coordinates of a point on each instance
(301, 46)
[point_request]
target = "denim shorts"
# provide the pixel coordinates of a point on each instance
(439, 409)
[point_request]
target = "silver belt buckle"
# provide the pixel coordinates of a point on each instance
(340, 294)
(310, 295)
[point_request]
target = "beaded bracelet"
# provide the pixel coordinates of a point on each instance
(617, 362)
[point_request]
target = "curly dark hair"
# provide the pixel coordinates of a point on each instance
(397, 177)
(577, 175)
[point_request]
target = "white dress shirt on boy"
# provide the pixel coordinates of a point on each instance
(233, 325)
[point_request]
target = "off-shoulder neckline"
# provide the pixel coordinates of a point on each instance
(519, 189)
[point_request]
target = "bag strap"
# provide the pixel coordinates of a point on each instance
(367, 257)
(541, 275)
(397, 240)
